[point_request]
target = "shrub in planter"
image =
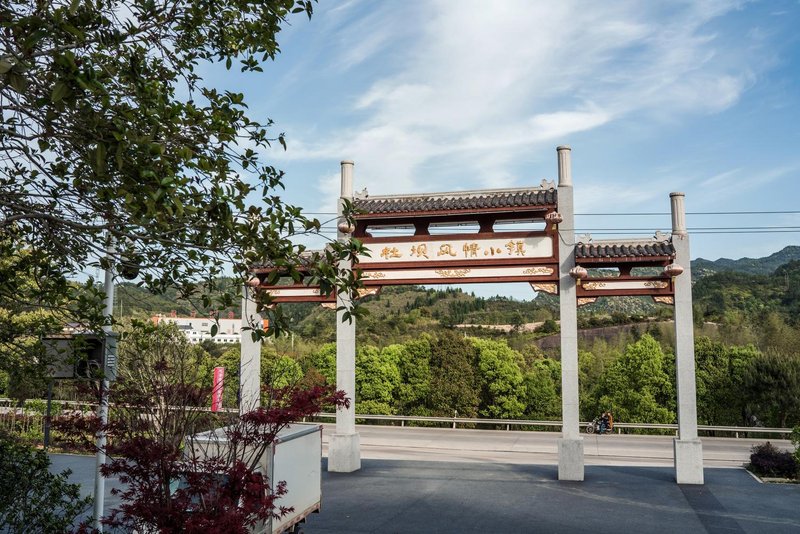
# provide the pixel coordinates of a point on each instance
(768, 460)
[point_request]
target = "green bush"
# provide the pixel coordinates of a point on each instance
(31, 498)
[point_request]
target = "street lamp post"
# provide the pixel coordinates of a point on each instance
(109, 359)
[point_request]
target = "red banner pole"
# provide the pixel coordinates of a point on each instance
(216, 393)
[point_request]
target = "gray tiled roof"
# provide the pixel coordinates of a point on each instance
(444, 202)
(624, 249)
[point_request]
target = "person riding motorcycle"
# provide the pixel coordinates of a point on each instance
(603, 422)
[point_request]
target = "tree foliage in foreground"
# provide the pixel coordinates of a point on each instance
(112, 139)
(32, 499)
(30, 301)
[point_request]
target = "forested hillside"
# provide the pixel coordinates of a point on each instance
(751, 298)
(453, 306)
(411, 359)
(766, 265)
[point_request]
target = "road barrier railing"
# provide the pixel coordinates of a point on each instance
(736, 431)
(8, 407)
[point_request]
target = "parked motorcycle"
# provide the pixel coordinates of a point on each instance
(594, 427)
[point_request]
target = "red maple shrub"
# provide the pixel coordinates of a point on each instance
(172, 480)
(770, 461)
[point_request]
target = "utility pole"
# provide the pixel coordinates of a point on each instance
(109, 358)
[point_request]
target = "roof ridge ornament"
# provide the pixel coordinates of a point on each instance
(661, 236)
(547, 184)
(474, 193)
(362, 194)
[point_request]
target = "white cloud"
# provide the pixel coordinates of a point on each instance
(720, 178)
(616, 197)
(362, 38)
(473, 87)
(735, 182)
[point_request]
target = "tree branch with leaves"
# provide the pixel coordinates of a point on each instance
(110, 136)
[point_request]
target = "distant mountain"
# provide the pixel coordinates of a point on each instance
(767, 265)
(725, 294)
(132, 300)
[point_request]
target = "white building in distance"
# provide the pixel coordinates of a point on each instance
(198, 329)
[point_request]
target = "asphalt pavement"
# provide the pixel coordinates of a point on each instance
(426, 480)
(396, 496)
(500, 446)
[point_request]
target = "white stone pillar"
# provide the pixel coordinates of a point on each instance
(570, 446)
(344, 447)
(250, 362)
(688, 448)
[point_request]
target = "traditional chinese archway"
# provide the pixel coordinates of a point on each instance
(548, 257)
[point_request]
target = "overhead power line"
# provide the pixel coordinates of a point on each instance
(626, 232)
(666, 213)
(644, 213)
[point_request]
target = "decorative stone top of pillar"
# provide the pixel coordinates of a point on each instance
(564, 166)
(347, 178)
(678, 213)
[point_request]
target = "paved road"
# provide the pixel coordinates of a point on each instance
(515, 447)
(391, 496)
(495, 481)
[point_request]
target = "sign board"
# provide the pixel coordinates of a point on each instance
(81, 356)
(460, 274)
(437, 250)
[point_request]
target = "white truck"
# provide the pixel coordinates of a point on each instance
(296, 458)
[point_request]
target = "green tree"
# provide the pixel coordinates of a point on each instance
(277, 370)
(324, 361)
(542, 383)
(637, 386)
(25, 319)
(721, 370)
(454, 386)
(215, 350)
(772, 384)
(413, 362)
(112, 138)
(158, 361)
(501, 380)
(795, 438)
(377, 377)
(280, 371)
(549, 326)
(776, 335)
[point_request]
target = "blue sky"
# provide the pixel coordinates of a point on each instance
(695, 96)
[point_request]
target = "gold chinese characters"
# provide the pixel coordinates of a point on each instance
(469, 249)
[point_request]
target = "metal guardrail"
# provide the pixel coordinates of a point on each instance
(508, 423)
